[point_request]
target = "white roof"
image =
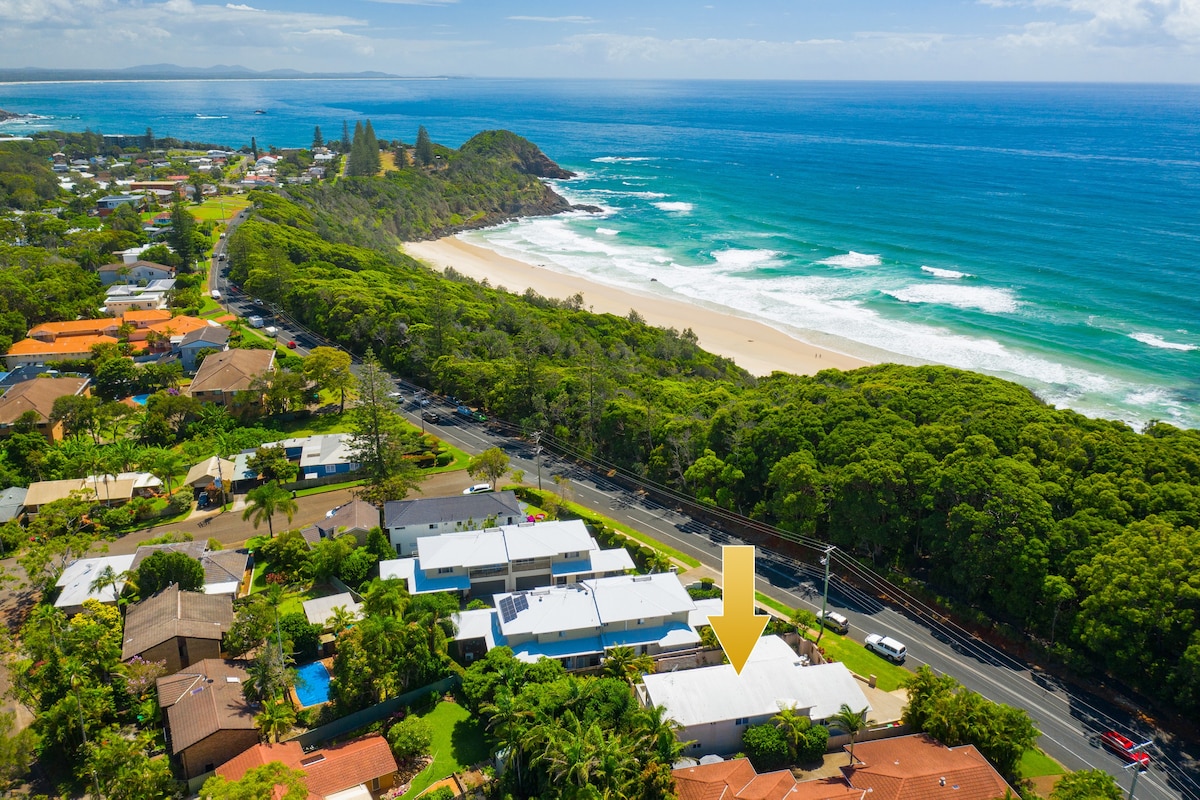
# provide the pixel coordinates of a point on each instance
(592, 603)
(568, 608)
(76, 580)
(476, 624)
(320, 609)
(509, 543)
(713, 606)
(771, 680)
(627, 597)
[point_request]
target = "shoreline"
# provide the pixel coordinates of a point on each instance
(754, 346)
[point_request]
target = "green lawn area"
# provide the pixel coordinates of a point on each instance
(314, 425)
(1036, 764)
(862, 661)
(632, 533)
(218, 210)
(458, 742)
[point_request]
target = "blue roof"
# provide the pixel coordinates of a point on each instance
(439, 583)
(571, 567)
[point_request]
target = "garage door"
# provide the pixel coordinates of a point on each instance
(532, 582)
(485, 589)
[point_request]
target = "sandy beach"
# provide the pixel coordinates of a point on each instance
(755, 347)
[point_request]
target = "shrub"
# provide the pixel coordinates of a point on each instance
(410, 738)
(816, 742)
(179, 503)
(766, 747)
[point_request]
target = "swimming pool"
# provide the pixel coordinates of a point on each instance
(140, 399)
(312, 684)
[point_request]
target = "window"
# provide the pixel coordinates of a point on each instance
(433, 527)
(742, 721)
(641, 622)
(562, 634)
(330, 469)
(445, 570)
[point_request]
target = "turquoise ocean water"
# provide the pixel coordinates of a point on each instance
(1049, 234)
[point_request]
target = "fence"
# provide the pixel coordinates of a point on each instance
(360, 719)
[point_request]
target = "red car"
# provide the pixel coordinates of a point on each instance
(1123, 746)
(291, 345)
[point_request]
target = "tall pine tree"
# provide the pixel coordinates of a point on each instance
(345, 138)
(318, 139)
(358, 153)
(182, 238)
(424, 147)
(371, 148)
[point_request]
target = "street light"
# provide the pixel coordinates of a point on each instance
(537, 451)
(825, 559)
(1137, 765)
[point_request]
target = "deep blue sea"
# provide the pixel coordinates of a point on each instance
(1049, 234)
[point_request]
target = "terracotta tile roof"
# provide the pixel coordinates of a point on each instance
(204, 699)
(134, 316)
(178, 325)
(737, 780)
(65, 344)
(919, 767)
(37, 395)
(172, 613)
(141, 262)
(231, 370)
(327, 770)
(74, 327)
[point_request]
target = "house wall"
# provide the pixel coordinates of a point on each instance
(404, 537)
(215, 750)
(182, 652)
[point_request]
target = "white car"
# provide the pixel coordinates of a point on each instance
(477, 488)
(887, 647)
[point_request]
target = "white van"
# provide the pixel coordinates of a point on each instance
(271, 331)
(255, 321)
(216, 295)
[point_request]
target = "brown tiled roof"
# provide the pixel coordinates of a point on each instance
(37, 395)
(141, 262)
(231, 370)
(737, 780)
(203, 699)
(919, 767)
(354, 515)
(172, 613)
(326, 770)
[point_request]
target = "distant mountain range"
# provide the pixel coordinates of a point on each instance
(167, 72)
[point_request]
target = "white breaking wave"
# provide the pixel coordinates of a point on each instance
(622, 193)
(680, 208)
(852, 259)
(742, 259)
(212, 116)
(619, 159)
(607, 231)
(991, 301)
(949, 274)
(1154, 340)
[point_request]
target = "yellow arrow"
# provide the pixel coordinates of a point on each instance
(739, 627)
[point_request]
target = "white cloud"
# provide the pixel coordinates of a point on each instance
(573, 19)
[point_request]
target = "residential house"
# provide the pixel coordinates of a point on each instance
(320, 609)
(355, 770)
(12, 503)
(715, 705)
(136, 271)
(122, 298)
(920, 766)
(407, 520)
(322, 456)
(38, 395)
(509, 558)
(110, 203)
(36, 352)
(212, 471)
(223, 375)
(737, 780)
(109, 490)
(210, 337)
(78, 582)
(208, 720)
(578, 623)
(134, 253)
(178, 627)
(355, 518)
(223, 569)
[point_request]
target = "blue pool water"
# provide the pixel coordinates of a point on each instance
(312, 684)
(140, 399)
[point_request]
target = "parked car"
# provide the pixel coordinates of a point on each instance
(887, 647)
(1123, 747)
(477, 488)
(835, 622)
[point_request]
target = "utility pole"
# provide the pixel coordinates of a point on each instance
(537, 451)
(1136, 764)
(825, 559)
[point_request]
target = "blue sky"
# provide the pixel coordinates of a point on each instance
(1070, 40)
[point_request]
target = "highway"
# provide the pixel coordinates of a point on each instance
(1070, 718)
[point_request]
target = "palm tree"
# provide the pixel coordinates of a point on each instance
(163, 464)
(793, 726)
(385, 598)
(275, 720)
(621, 662)
(265, 501)
(107, 577)
(852, 722)
(660, 734)
(340, 619)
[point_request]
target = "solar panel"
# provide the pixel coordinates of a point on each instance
(508, 611)
(522, 602)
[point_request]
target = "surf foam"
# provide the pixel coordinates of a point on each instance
(852, 259)
(676, 207)
(1154, 340)
(734, 259)
(949, 274)
(991, 301)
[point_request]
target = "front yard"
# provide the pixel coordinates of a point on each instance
(459, 741)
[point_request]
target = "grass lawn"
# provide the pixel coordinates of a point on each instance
(862, 661)
(1036, 764)
(329, 487)
(458, 742)
(221, 210)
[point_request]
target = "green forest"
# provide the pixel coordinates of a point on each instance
(1078, 532)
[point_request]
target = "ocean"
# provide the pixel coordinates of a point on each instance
(1044, 233)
